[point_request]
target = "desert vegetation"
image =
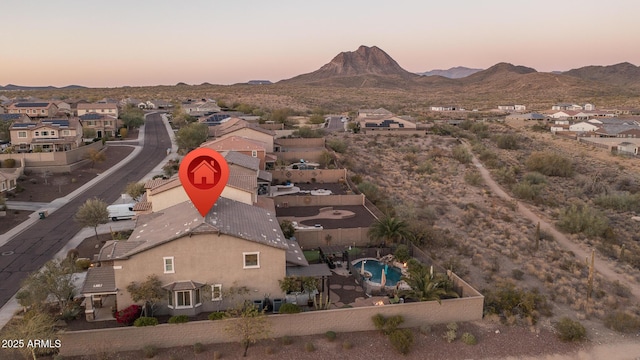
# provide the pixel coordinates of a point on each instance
(429, 183)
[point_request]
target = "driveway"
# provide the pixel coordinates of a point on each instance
(30, 250)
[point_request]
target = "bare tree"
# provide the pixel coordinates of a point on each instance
(33, 326)
(95, 156)
(59, 181)
(92, 213)
(55, 280)
(249, 326)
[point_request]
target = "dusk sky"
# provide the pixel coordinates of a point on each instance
(143, 42)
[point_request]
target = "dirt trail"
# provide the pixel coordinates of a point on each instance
(601, 266)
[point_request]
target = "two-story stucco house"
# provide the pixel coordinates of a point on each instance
(103, 125)
(46, 135)
(34, 109)
(196, 258)
(98, 108)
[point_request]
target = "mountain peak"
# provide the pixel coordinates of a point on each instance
(364, 61)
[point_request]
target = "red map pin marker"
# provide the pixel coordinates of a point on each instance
(204, 173)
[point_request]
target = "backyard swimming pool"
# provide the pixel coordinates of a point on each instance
(375, 267)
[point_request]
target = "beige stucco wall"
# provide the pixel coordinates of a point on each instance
(206, 258)
(312, 239)
(326, 200)
(53, 161)
(307, 323)
(177, 195)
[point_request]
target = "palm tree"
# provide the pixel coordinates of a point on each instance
(427, 286)
(388, 229)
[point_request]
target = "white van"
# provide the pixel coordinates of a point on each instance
(121, 211)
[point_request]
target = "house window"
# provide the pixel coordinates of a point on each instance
(65, 133)
(254, 153)
(53, 133)
(251, 260)
(42, 111)
(22, 134)
(216, 292)
(45, 133)
(37, 133)
(168, 265)
(183, 298)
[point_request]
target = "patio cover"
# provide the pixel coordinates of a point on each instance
(315, 270)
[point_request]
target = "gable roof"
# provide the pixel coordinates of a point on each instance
(234, 143)
(236, 158)
(227, 217)
(99, 280)
(235, 124)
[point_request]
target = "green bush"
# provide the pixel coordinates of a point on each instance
(450, 335)
(527, 191)
(378, 321)
(468, 339)
(309, 347)
(461, 154)
(507, 141)
(149, 351)
(621, 201)
(401, 340)
(145, 321)
(9, 163)
(550, 164)
(569, 330)
(337, 145)
(198, 348)
(289, 308)
(534, 178)
(83, 264)
(506, 300)
(402, 253)
(287, 340)
(347, 345)
(217, 315)
(330, 335)
(178, 319)
(473, 178)
(622, 322)
(580, 218)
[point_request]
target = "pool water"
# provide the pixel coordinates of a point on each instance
(374, 267)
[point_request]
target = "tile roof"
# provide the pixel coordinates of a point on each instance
(234, 143)
(150, 184)
(249, 162)
(182, 285)
(89, 106)
(243, 182)
(265, 175)
(113, 249)
(227, 216)
(99, 280)
(235, 124)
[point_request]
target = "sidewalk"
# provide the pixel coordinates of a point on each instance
(12, 306)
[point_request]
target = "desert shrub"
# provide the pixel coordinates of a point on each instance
(461, 154)
(145, 321)
(580, 218)
(178, 319)
(217, 355)
(401, 340)
(217, 315)
(378, 321)
(550, 164)
(468, 339)
(452, 326)
(425, 329)
(330, 335)
(507, 141)
(287, 340)
(289, 308)
(337, 145)
(621, 201)
(505, 175)
(622, 322)
(473, 178)
(9, 163)
(517, 274)
(620, 290)
(569, 330)
(198, 348)
(347, 345)
(526, 191)
(269, 350)
(425, 167)
(309, 347)
(506, 301)
(149, 351)
(534, 178)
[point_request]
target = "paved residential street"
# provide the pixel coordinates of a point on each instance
(29, 250)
